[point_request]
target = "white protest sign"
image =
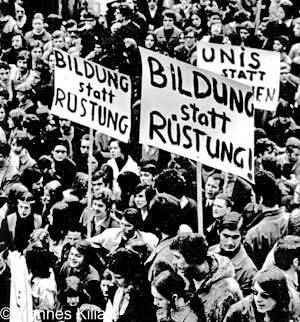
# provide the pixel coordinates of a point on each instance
(257, 68)
(197, 114)
(92, 95)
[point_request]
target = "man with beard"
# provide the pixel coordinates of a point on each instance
(230, 231)
(211, 276)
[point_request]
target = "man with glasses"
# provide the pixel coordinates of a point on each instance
(184, 52)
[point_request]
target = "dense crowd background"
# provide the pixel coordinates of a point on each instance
(136, 254)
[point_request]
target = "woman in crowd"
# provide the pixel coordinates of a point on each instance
(269, 301)
(18, 43)
(173, 301)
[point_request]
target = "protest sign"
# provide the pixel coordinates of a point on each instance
(259, 69)
(92, 95)
(197, 114)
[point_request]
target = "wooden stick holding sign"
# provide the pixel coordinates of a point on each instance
(199, 199)
(90, 174)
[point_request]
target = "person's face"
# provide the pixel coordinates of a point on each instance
(146, 177)
(36, 52)
(59, 153)
(20, 12)
(263, 301)
(179, 262)
(73, 300)
(24, 208)
(4, 75)
(84, 147)
(20, 96)
(152, 4)
(283, 77)
(36, 79)
(219, 208)
(277, 46)
(99, 208)
(37, 187)
(98, 186)
(119, 17)
(105, 286)
(2, 114)
(294, 155)
(196, 21)
(140, 200)
(22, 64)
(16, 42)
(190, 39)
(16, 148)
(126, 228)
(73, 237)
(59, 43)
(94, 164)
(37, 25)
(158, 300)
(296, 30)
(98, 49)
(181, 39)
(51, 62)
(281, 13)
(75, 259)
(65, 125)
(168, 23)
(119, 280)
(244, 34)
(216, 29)
(212, 188)
(115, 150)
(230, 240)
(149, 42)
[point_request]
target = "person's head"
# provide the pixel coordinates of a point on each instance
(25, 204)
(36, 50)
(58, 219)
(58, 39)
(123, 13)
(285, 10)
(74, 234)
(89, 19)
(52, 192)
(106, 283)
(287, 253)
(39, 262)
(167, 289)
(230, 231)
(266, 189)
(169, 19)
(152, 4)
(280, 43)
(264, 147)
(101, 204)
(293, 149)
(51, 61)
(85, 144)
(99, 182)
(148, 173)
(213, 185)
(24, 61)
(117, 149)
(189, 37)
(216, 28)
(270, 292)
(222, 205)
(18, 42)
(124, 266)
(150, 41)
(172, 182)
(296, 27)
(189, 251)
(79, 255)
(18, 142)
(23, 92)
(245, 30)
(165, 211)
(130, 222)
(60, 150)
(74, 294)
(79, 186)
(14, 193)
(38, 23)
(127, 181)
(196, 19)
(143, 195)
(4, 73)
(31, 124)
(4, 153)
(39, 238)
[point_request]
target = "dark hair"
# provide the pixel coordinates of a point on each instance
(127, 181)
(267, 188)
(4, 65)
(32, 123)
(172, 182)
(127, 264)
(262, 145)
(165, 210)
(126, 11)
(4, 149)
(80, 185)
(21, 138)
(288, 8)
(149, 191)
(133, 216)
(193, 247)
(22, 39)
(39, 261)
(84, 248)
(170, 14)
(284, 109)
(27, 197)
(61, 218)
(150, 167)
(30, 176)
(61, 142)
(123, 146)
(188, 30)
(232, 221)
(14, 193)
(105, 198)
(219, 177)
(25, 55)
(274, 282)
(286, 250)
(55, 191)
(271, 164)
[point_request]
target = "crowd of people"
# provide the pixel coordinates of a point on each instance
(136, 253)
